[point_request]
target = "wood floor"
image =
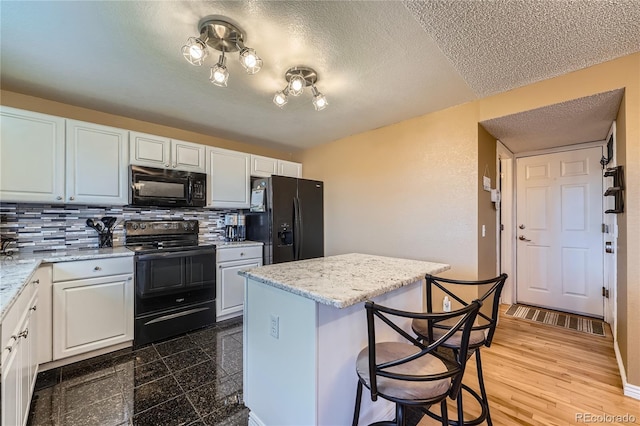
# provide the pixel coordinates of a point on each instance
(537, 374)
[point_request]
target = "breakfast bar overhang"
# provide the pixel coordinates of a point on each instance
(304, 325)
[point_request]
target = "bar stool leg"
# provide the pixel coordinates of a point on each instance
(444, 413)
(356, 412)
(483, 392)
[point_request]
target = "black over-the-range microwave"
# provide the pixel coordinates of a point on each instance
(149, 186)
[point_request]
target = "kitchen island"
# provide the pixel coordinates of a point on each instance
(304, 325)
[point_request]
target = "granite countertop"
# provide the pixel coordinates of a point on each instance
(344, 280)
(16, 270)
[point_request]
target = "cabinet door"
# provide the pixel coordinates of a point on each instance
(11, 385)
(42, 278)
(228, 178)
(230, 297)
(187, 156)
(96, 164)
(289, 168)
(31, 156)
(149, 150)
(263, 166)
(28, 365)
(91, 314)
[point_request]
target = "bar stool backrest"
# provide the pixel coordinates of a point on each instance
(486, 321)
(462, 320)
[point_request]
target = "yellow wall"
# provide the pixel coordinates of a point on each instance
(45, 106)
(410, 189)
(405, 190)
(487, 255)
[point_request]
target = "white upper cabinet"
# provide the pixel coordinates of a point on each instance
(266, 166)
(165, 153)
(96, 171)
(289, 168)
(31, 156)
(188, 156)
(228, 178)
(263, 166)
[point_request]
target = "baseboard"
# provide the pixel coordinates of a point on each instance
(254, 420)
(628, 389)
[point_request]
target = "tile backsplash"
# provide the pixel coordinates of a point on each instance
(47, 227)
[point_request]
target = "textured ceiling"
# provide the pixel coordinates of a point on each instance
(581, 120)
(378, 62)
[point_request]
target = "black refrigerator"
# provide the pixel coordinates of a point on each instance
(286, 215)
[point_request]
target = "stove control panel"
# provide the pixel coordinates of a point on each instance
(161, 227)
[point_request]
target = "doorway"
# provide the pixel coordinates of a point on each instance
(559, 245)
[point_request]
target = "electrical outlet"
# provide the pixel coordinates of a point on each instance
(274, 328)
(220, 223)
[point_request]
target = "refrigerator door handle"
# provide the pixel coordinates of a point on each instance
(297, 228)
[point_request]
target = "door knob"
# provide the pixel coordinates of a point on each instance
(523, 238)
(521, 226)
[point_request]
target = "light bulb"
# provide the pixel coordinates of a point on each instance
(194, 51)
(320, 102)
(219, 75)
(280, 99)
(250, 60)
(296, 85)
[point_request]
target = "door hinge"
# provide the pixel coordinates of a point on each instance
(605, 229)
(605, 293)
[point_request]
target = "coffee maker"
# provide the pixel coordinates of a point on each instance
(234, 227)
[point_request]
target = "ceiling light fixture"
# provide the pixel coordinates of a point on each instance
(297, 79)
(224, 37)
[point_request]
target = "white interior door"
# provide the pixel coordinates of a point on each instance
(559, 231)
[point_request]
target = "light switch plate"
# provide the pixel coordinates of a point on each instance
(274, 327)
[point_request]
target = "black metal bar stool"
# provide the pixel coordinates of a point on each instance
(481, 334)
(412, 373)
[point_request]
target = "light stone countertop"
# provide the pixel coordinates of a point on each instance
(16, 270)
(344, 280)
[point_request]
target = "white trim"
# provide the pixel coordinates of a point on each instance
(575, 147)
(504, 242)
(610, 260)
(255, 420)
(629, 390)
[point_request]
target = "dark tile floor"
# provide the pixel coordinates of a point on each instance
(195, 379)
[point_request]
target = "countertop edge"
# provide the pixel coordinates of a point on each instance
(341, 304)
(32, 262)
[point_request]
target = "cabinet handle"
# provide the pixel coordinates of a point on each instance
(175, 165)
(33, 308)
(97, 268)
(36, 281)
(24, 334)
(58, 198)
(72, 198)
(10, 347)
(166, 165)
(241, 254)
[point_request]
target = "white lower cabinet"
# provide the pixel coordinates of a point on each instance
(19, 357)
(230, 285)
(91, 309)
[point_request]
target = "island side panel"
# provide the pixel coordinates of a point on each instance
(342, 333)
(279, 372)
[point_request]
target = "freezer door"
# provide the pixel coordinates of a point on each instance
(282, 194)
(310, 229)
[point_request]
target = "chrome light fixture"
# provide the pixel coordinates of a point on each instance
(297, 79)
(225, 37)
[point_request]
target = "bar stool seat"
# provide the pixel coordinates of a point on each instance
(402, 389)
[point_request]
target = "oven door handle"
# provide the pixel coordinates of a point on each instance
(174, 254)
(189, 190)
